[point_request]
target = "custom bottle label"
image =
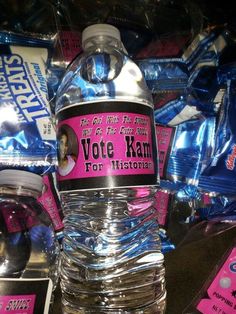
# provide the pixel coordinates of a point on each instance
(17, 220)
(50, 201)
(161, 205)
(221, 294)
(25, 296)
(17, 304)
(108, 144)
(164, 142)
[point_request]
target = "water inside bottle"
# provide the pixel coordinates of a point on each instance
(111, 260)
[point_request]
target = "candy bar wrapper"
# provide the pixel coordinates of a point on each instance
(168, 80)
(219, 175)
(166, 244)
(200, 100)
(206, 48)
(179, 96)
(27, 134)
(163, 75)
(206, 92)
(177, 111)
(183, 152)
(216, 208)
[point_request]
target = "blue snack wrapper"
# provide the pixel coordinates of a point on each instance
(163, 75)
(192, 95)
(202, 99)
(177, 111)
(169, 78)
(218, 208)
(206, 91)
(54, 78)
(27, 134)
(226, 73)
(24, 40)
(206, 48)
(183, 153)
(219, 175)
(166, 244)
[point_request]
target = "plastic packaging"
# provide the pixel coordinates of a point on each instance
(27, 137)
(177, 111)
(183, 152)
(68, 39)
(107, 178)
(134, 21)
(219, 174)
(164, 74)
(32, 17)
(29, 254)
(166, 245)
(206, 48)
(217, 208)
(179, 96)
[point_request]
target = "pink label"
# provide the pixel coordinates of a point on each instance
(47, 199)
(71, 44)
(222, 291)
(17, 220)
(17, 304)
(161, 205)
(164, 137)
(108, 145)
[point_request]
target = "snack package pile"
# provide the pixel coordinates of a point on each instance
(194, 96)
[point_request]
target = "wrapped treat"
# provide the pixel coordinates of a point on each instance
(179, 96)
(217, 208)
(219, 174)
(27, 134)
(163, 75)
(183, 152)
(206, 48)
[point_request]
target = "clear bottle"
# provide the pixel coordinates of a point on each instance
(29, 251)
(107, 177)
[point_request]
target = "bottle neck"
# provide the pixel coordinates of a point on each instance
(19, 191)
(100, 43)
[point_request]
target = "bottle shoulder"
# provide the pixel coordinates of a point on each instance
(97, 75)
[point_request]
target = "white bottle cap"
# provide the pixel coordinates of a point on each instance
(100, 30)
(21, 178)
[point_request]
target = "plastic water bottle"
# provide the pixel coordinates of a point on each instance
(28, 249)
(107, 176)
